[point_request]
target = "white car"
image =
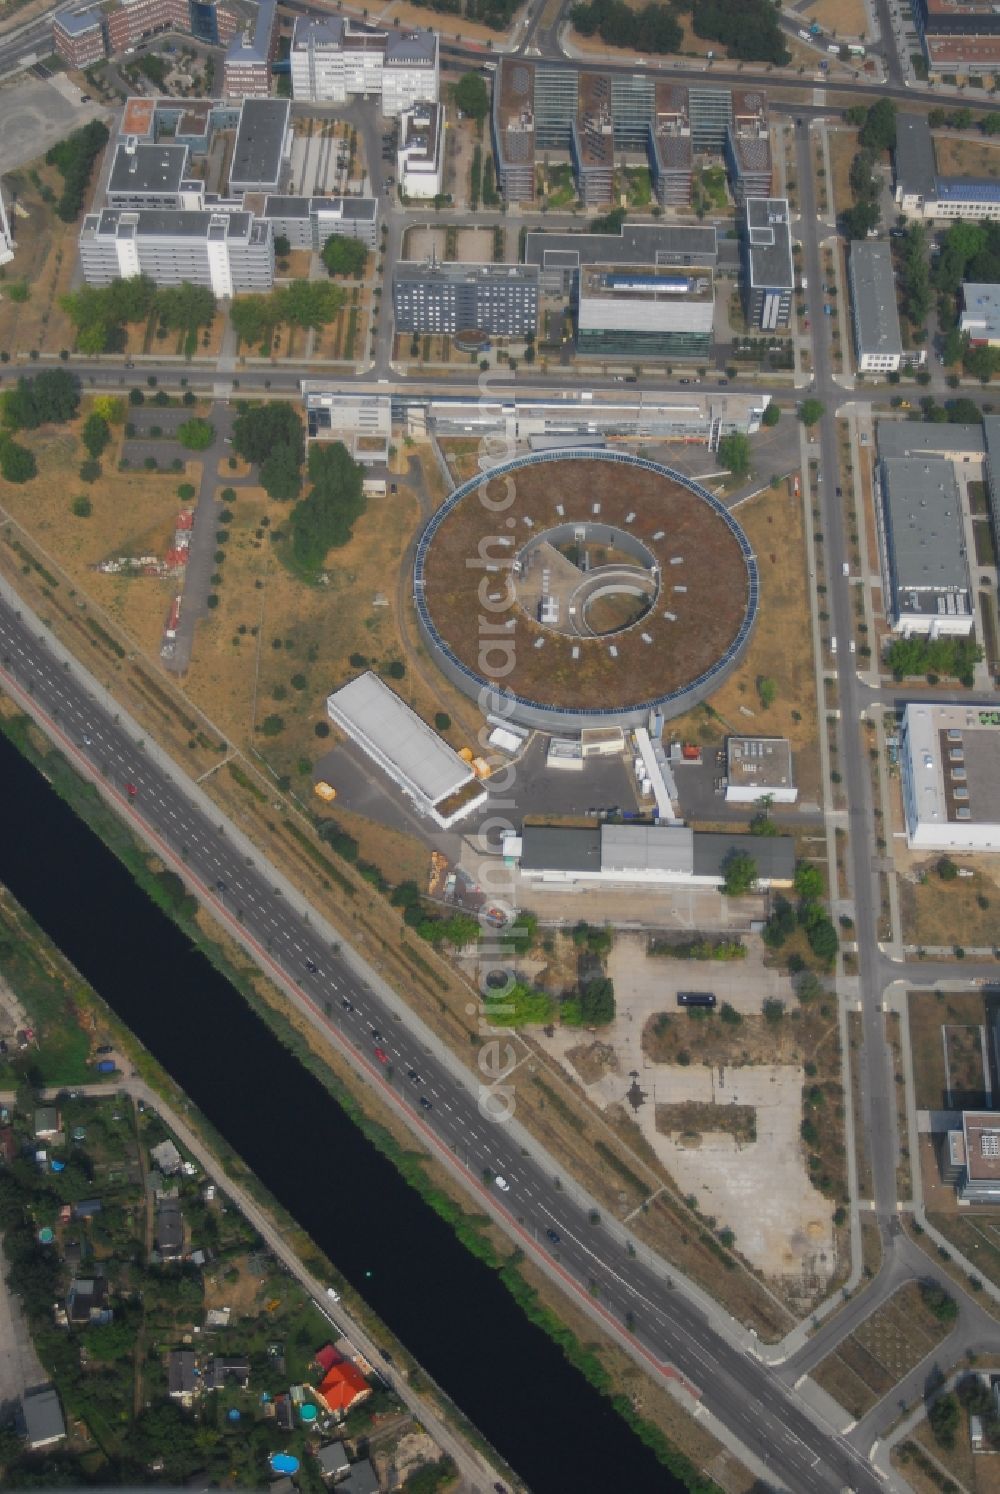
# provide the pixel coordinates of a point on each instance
(502, 1184)
(333, 1294)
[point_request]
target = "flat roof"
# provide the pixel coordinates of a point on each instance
(951, 49)
(954, 761)
(773, 854)
(760, 762)
(75, 24)
(913, 159)
(898, 438)
(253, 43)
(147, 168)
(770, 243)
(260, 141)
(873, 285)
(337, 207)
(466, 274)
(981, 1130)
(981, 311)
(561, 848)
(636, 244)
(923, 513)
(655, 848)
(138, 116)
(168, 223)
(406, 743)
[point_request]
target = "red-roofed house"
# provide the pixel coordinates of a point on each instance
(343, 1387)
(327, 1357)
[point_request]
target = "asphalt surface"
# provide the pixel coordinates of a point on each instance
(670, 1331)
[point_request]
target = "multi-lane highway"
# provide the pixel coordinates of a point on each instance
(396, 1054)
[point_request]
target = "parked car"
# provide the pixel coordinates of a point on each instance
(502, 1184)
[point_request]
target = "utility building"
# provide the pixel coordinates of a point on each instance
(759, 768)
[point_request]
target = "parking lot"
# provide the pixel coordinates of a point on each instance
(34, 115)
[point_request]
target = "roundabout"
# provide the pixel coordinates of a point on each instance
(572, 589)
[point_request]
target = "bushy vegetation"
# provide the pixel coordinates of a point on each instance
(518, 1005)
(48, 398)
(99, 313)
(304, 303)
(196, 434)
(457, 929)
(271, 436)
(344, 256)
(810, 915)
(699, 949)
(951, 658)
(654, 28)
(17, 463)
(324, 518)
(748, 29)
(593, 1005)
(74, 159)
(472, 96)
(739, 874)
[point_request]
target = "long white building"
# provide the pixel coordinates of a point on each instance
(333, 60)
(228, 252)
(950, 768)
(420, 153)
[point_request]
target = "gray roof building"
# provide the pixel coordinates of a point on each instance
(169, 1230)
(141, 170)
(253, 45)
(259, 152)
(360, 1480)
(636, 244)
(643, 854)
(46, 1121)
(181, 1374)
(561, 848)
(43, 1418)
(768, 269)
(913, 160)
(332, 1460)
(775, 860)
(901, 438)
(878, 342)
(924, 557)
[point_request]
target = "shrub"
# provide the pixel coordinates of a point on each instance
(82, 507)
(272, 726)
(90, 470)
(196, 434)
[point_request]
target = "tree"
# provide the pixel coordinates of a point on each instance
(938, 1302)
(344, 256)
(109, 408)
(282, 246)
(767, 691)
(82, 507)
(771, 415)
(518, 1006)
(280, 474)
(309, 303)
(739, 874)
(810, 411)
(74, 158)
(879, 130)
(808, 881)
(272, 726)
(944, 1417)
(17, 463)
(96, 434)
(734, 453)
(592, 1006)
(254, 318)
(185, 307)
(196, 434)
(946, 869)
(471, 96)
(90, 470)
(258, 429)
(51, 397)
(324, 518)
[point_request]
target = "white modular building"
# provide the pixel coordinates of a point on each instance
(439, 783)
(950, 767)
(334, 60)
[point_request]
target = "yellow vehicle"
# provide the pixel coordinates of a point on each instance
(325, 791)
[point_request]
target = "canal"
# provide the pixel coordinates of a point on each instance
(450, 1310)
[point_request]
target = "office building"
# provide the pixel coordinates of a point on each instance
(592, 141)
(227, 251)
(747, 147)
(128, 21)
(921, 193)
(78, 38)
(153, 176)
(768, 271)
(958, 36)
(334, 60)
(362, 421)
(980, 318)
(307, 222)
(420, 152)
(448, 298)
(263, 145)
(560, 256)
(971, 1161)
(646, 313)
(246, 72)
(925, 566)
(671, 153)
(949, 759)
(759, 768)
(878, 342)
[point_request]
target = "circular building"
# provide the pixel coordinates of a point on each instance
(572, 589)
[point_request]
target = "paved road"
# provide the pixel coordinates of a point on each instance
(674, 1334)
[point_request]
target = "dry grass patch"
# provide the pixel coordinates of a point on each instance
(956, 157)
(780, 647)
(690, 1119)
(886, 1346)
(839, 17)
(593, 1060)
(843, 149)
(961, 912)
(957, 1017)
(46, 258)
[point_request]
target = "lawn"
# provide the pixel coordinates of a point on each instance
(957, 157)
(960, 912)
(886, 1346)
(843, 149)
(959, 1015)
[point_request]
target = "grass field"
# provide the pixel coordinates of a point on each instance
(843, 149)
(957, 157)
(886, 1346)
(961, 912)
(780, 648)
(839, 17)
(959, 1015)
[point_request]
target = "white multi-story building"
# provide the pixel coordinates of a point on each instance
(333, 61)
(949, 760)
(878, 342)
(228, 252)
(420, 153)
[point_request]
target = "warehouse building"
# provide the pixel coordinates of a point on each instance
(648, 313)
(227, 252)
(334, 60)
(922, 539)
(626, 855)
(759, 768)
(768, 271)
(453, 297)
(439, 783)
(949, 760)
(420, 153)
(878, 342)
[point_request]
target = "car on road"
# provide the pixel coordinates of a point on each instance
(376, 1035)
(853, 646)
(414, 1076)
(381, 1055)
(425, 1102)
(845, 569)
(131, 790)
(347, 1005)
(333, 1294)
(839, 491)
(312, 966)
(87, 741)
(553, 1235)
(221, 886)
(502, 1184)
